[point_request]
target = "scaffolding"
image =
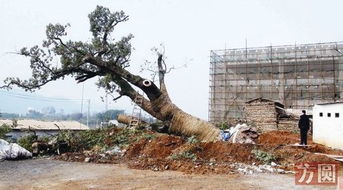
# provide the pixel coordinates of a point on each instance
(297, 76)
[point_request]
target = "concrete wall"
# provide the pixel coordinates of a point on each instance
(18, 134)
(328, 130)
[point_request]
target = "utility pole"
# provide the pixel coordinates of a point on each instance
(83, 87)
(246, 49)
(106, 106)
(89, 102)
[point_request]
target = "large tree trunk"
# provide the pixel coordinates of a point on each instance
(182, 123)
(186, 124)
(159, 104)
(161, 107)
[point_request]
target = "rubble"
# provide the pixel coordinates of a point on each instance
(114, 151)
(255, 169)
(159, 152)
(241, 133)
(87, 159)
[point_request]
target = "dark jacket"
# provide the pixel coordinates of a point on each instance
(304, 122)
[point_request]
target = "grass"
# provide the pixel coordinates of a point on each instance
(183, 155)
(263, 156)
(188, 153)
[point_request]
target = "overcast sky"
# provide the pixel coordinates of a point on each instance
(188, 30)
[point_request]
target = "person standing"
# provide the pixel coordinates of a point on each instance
(304, 125)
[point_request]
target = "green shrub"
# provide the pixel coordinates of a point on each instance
(263, 156)
(44, 139)
(192, 140)
(184, 155)
(27, 141)
(4, 129)
(146, 136)
(84, 140)
(103, 138)
(223, 126)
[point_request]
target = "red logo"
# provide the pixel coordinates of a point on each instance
(315, 173)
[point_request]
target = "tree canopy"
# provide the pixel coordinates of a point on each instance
(102, 57)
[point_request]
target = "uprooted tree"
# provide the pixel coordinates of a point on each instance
(107, 59)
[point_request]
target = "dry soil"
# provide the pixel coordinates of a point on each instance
(45, 174)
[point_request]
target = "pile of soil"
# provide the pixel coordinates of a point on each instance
(169, 152)
(280, 137)
(282, 145)
(227, 152)
(158, 148)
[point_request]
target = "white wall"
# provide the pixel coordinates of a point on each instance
(328, 130)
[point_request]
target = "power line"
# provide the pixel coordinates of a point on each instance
(38, 98)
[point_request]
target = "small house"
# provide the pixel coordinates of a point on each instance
(263, 113)
(328, 124)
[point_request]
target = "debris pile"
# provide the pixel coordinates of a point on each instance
(274, 151)
(11, 151)
(252, 169)
(241, 133)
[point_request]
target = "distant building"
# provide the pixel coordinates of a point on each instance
(41, 128)
(328, 124)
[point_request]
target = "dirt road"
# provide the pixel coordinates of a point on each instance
(42, 174)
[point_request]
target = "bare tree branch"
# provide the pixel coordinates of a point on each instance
(151, 91)
(117, 98)
(161, 72)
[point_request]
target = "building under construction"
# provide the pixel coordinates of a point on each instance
(298, 76)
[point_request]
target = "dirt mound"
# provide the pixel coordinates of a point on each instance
(281, 145)
(166, 145)
(159, 147)
(158, 152)
(279, 137)
(168, 152)
(287, 156)
(226, 152)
